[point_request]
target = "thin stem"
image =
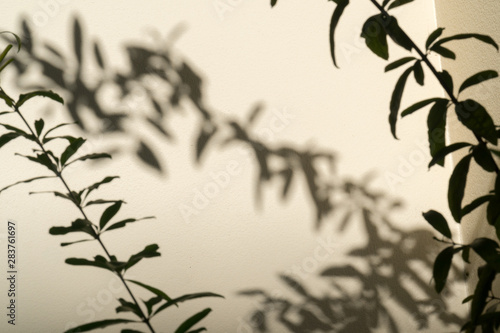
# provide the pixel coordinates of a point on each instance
(80, 208)
(447, 89)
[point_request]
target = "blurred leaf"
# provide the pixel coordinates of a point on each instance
(475, 117)
(273, 3)
(419, 73)
(483, 38)
(185, 298)
(149, 251)
(39, 126)
(398, 63)
(442, 267)
(433, 36)
(18, 40)
(375, 36)
(193, 320)
(122, 223)
(475, 204)
(337, 13)
(483, 157)
(444, 52)
(71, 149)
(99, 324)
(25, 181)
(40, 93)
(109, 213)
(95, 156)
(467, 299)
(148, 157)
(456, 187)
(396, 100)
(79, 225)
(441, 154)
(493, 211)
(206, 133)
(254, 114)
(98, 55)
(56, 127)
(436, 128)
(478, 78)
(77, 41)
(398, 3)
(438, 222)
(295, 285)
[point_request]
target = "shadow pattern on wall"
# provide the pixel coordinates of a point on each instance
(381, 283)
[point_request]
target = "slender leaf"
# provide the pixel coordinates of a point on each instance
(438, 222)
(483, 38)
(99, 324)
(396, 100)
(418, 73)
(130, 331)
(123, 223)
(101, 202)
(154, 290)
(151, 303)
(475, 117)
(442, 267)
(71, 150)
(40, 93)
(433, 36)
(207, 132)
(436, 127)
(5, 52)
(129, 307)
(56, 127)
(475, 204)
(95, 186)
(77, 42)
(456, 187)
(398, 63)
(25, 181)
(149, 251)
(193, 320)
(419, 105)
(76, 242)
(441, 154)
(98, 55)
(95, 156)
(478, 78)
(185, 298)
(444, 52)
(398, 3)
(337, 13)
(273, 3)
(109, 213)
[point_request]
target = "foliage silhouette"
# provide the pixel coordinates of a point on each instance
(57, 162)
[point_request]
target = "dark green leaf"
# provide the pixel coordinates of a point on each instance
(99, 262)
(154, 290)
(376, 37)
(39, 126)
(78, 225)
(130, 331)
(186, 298)
(475, 204)
(101, 202)
(442, 267)
(467, 299)
(42, 93)
(444, 52)
(80, 241)
(129, 307)
(109, 213)
(456, 187)
(398, 63)
(433, 36)
(18, 40)
(56, 127)
(122, 223)
(203, 329)
(395, 32)
(385, 3)
(475, 117)
(149, 251)
(150, 303)
(294, 284)
(419, 105)
(9, 101)
(5, 52)
(465, 254)
(419, 73)
(95, 156)
(483, 287)
(7, 63)
(18, 131)
(483, 38)
(95, 186)
(447, 80)
(43, 160)
(273, 3)
(438, 222)
(493, 210)
(483, 157)
(193, 320)
(441, 154)
(478, 78)
(436, 128)
(25, 181)
(99, 324)
(57, 194)
(487, 249)
(6, 138)
(398, 3)
(396, 100)
(337, 13)
(71, 150)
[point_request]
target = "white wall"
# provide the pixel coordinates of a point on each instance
(250, 53)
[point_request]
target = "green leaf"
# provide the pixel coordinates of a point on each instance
(154, 290)
(396, 33)
(99, 324)
(398, 63)
(419, 73)
(18, 131)
(273, 3)
(71, 150)
(398, 3)
(75, 242)
(150, 303)
(442, 267)
(467, 299)
(465, 254)
(419, 105)
(123, 223)
(79, 225)
(487, 249)
(95, 186)
(475, 204)
(56, 127)
(438, 222)
(18, 40)
(130, 331)
(441, 154)
(6, 138)
(433, 36)
(5, 52)
(483, 287)
(483, 38)
(447, 80)
(375, 36)
(185, 298)
(7, 63)
(99, 261)
(493, 211)
(478, 78)
(43, 160)
(396, 100)
(101, 202)
(436, 127)
(42, 93)
(39, 126)
(9, 101)
(109, 213)
(129, 307)
(193, 320)
(444, 52)
(149, 251)
(337, 13)
(475, 117)
(456, 187)
(90, 157)
(25, 181)
(483, 157)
